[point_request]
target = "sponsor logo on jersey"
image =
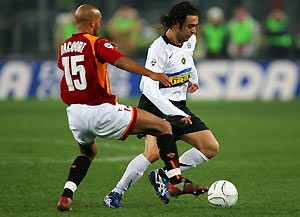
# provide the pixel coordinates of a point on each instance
(108, 45)
(181, 77)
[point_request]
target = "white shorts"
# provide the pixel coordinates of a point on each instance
(106, 120)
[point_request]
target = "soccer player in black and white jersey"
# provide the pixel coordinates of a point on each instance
(171, 54)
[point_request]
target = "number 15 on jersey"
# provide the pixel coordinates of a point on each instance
(80, 84)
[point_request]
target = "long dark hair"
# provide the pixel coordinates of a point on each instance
(178, 13)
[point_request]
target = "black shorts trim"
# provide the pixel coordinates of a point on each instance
(177, 127)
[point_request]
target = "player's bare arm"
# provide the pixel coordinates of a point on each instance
(133, 67)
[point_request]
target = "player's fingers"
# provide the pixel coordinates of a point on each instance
(186, 120)
(165, 80)
(189, 120)
(191, 89)
(183, 120)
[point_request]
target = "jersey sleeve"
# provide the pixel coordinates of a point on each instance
(194, 73)
(150, 88)
(155, 60)
(106, 52)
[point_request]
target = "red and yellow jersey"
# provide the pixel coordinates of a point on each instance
(83, 58)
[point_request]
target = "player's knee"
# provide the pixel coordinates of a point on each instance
(214, 148)
(89, 152)
(165, 127)
(210, 149)
(90, 155)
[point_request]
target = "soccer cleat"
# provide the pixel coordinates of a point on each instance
(160, 185)
(64, 204)
(186, 187)
(113, 200)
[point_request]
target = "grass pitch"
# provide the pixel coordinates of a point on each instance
(259, 153)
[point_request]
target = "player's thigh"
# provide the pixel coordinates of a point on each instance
(202, 140)
(150, 124)
(151, 150)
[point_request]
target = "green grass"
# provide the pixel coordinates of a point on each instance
(259, 153)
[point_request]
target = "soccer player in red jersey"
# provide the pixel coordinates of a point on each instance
(93, 110)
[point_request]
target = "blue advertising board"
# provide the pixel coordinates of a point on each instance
(218, 79)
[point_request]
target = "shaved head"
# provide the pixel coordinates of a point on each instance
(85, 13)
(88, 19)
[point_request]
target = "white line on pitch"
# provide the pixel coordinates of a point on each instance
(106, 144)
(36, 161)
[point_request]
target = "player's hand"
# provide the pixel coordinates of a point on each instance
(162, 78)
(192, 87)
(186, 120)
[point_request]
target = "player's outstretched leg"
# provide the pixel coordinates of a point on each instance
(113, 200)
(160, 185)
(186, 187)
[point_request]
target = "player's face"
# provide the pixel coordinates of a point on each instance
(188, 28)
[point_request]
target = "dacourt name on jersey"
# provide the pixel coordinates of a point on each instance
(75, 46)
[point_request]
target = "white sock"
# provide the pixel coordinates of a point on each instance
(191, 158)
(134, 172)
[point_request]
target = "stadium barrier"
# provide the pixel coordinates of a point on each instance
(219, 79)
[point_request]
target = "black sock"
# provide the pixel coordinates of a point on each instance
(162, 173)
(77, 172)
(169, 154)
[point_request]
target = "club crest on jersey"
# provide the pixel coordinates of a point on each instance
(153, 62)
(183, 60)
(108, 45)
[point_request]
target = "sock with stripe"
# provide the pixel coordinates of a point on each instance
(169, 154)
(188, 160)
(77, 173)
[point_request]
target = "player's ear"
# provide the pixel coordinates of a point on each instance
(92, 23)
(176, 25)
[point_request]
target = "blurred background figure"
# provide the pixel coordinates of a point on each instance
(296, 38)
(124, 28)
(277, 36)
(244, 35)
(64, 28)
(148, 34)
(214, 33)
